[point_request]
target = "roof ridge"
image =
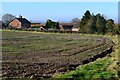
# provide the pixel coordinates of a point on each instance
(23, 20)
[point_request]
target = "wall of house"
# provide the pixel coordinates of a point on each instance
(15, 23)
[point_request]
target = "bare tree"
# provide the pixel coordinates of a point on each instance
(76, 22)
(7, 18)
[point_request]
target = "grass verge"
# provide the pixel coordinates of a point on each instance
(105, 68)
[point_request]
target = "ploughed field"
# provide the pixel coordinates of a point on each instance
(36, 55)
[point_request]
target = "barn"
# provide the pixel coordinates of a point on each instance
(20, 23)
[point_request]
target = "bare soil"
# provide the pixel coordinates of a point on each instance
(41, 55)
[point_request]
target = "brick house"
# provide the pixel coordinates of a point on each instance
(20, 23)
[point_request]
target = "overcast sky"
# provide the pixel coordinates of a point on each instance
(59, 11)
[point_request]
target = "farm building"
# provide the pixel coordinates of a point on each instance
(20, 23)
(42, 27)
(38, 26)
(66, 26)
(63, 27)
(35, 24)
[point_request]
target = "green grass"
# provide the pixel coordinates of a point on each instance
(105, 68)
(90, 71)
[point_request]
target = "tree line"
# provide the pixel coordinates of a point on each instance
(88, 24)
(97, 24)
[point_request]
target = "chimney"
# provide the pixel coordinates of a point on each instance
(20, 16)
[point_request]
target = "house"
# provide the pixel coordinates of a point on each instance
(66, 26)
(69, 27)
(20, 23)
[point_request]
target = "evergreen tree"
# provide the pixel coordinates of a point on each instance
(84, 22)
(48, 24)
(116, 29)
(97, 24)
(51, 24)
(100, 24)
(110, 26)
(92, 25)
